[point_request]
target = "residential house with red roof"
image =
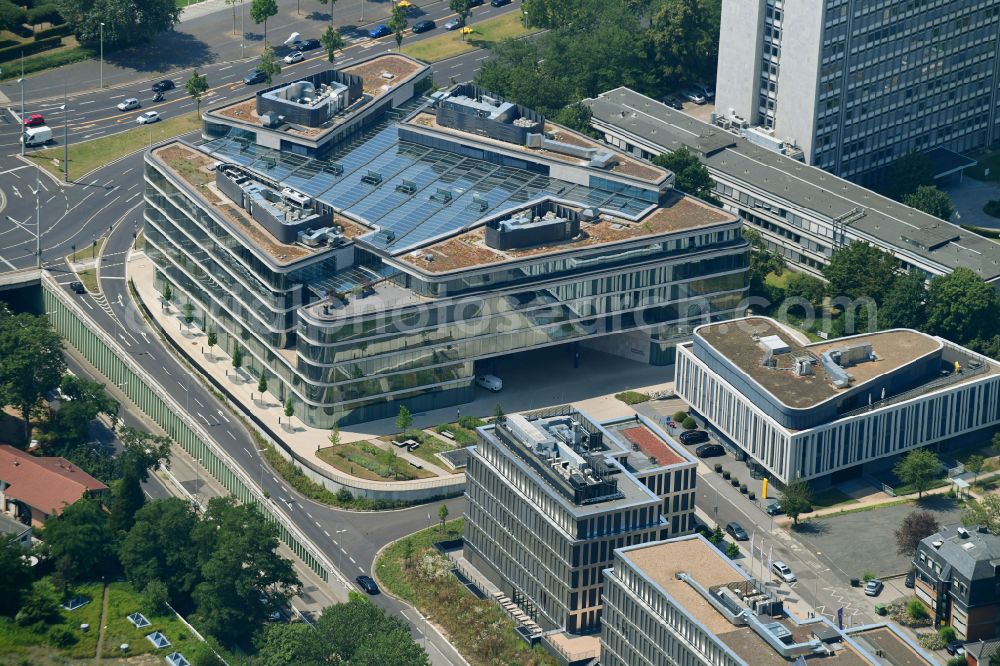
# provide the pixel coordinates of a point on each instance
(32, 488)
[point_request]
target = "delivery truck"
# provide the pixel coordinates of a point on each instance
(37, 136)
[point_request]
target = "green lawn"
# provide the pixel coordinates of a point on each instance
(478, 628)
(89, 155)
(16, 640)
(123, 600)
(778, 281)
(429, 447)
(632, 397)
(989, 161)
(484, 35)
(46, 60)
(367, 461)
(87, 252)
(831, 497)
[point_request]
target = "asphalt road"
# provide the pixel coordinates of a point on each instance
(111, 199)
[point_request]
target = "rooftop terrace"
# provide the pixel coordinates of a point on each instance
(661, 563)
(740, 342)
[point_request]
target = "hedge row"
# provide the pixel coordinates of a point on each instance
(58, 31)
(29, 48)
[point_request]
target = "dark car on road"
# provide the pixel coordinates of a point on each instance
(674, 103)
(499, 3)
(694, 437)
(774, 509)
(709, 451)
(78, 287)
(367, 584)
(736, 531)
(911, 578)
(381, 30)
(163, 86)
(309, 45)
(955, 647)
(475, 3)
(424, 26)
(254, 76)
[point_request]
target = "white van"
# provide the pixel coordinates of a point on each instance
(293, 40)
(37, 136)
(490, 382)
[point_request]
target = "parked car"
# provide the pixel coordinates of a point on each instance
(78, 287)
(911, 578)
(34, 120)
(873, 588)
(453, 24)
(490, 382)
(710, 451)
(774, 508)
(673, 102)
(309, 45)
(381, 30)
(148, 117)
(424, 26)
(694, 437)
(782, 571)
(694, 95)
(955, 648)
(499, 3)
(736, 531)
(475, 3)
(163, 86)
(254, 76)
(706, 89)
(294, 57)
(367, 584)
(129, 104)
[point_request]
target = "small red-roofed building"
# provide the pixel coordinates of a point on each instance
(33, 488)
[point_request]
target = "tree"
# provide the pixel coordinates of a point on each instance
(269, 65)
(188, 314)
(260, 11)
(461, 7)
(40, 607)
(732, 551)
(156, 598)
(142, 451)
(690, 175)
(161, 547)
(167, 292)
(995, 443)
(961, 307)
(289, 409)
(213, 339)
(334, 436)
(995, 658)
(717, 536)
(233, 4)
(262, 383)
(15, 574)
(404, 419)
(498, 415)
(683, 40)
(85, 400)
(237, 358)
(12, 16)
(32, 361)
(931, 200)
(331, 3)
(389, 647)
(286, 645)
(81, 534)
(197, 86)
(985, 512)
(331, 41)
(905, 306)
(860, 270)
(126, 22)
(443, 515)
(127, 499)
(975, 464)
(240, 567)
(918, 468)
(575, 116)
(917, 526)
(796, 499)
(347, 629)
(763, 262)
(398, 22)
(806, 287)
(906, 174)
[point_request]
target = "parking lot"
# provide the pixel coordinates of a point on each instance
(865, 541)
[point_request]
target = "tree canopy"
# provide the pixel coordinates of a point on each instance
(160, 547)
(690, 175)
(860, 270)
(84, 401)
(796, 499)
(126, 22)
(331, 41)
(260, 11)
(985, 511)
(31, 361)
(931, 200)
(961, 306)
(918, 468)
(15, 574)
(196, 87)
(917, 526)
(905, 305)
(80, 534)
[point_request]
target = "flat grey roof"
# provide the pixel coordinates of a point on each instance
(798, 184)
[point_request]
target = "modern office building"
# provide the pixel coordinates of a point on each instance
(681, 601)
(857, 84)
(552, 493)
(957, 574)
(373, 260)
(801, 212)
(839, 408)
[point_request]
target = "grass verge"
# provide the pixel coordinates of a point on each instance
(88, 277)
(412, 570)
(47, 60)
(124, 600)
(485, 34)
(831, 497)
(89, 252)
(367, 461)
(89, 155)
(631, 397)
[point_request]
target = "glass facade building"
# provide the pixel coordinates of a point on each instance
(354, 330)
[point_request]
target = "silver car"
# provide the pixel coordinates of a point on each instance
(782, 571)
(129, 104)
(453, 24)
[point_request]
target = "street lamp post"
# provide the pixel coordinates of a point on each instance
(65, 139)
(21, 81)
(102, 55)
(243, 31)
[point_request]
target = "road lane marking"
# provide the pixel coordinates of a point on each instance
(233, 436)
